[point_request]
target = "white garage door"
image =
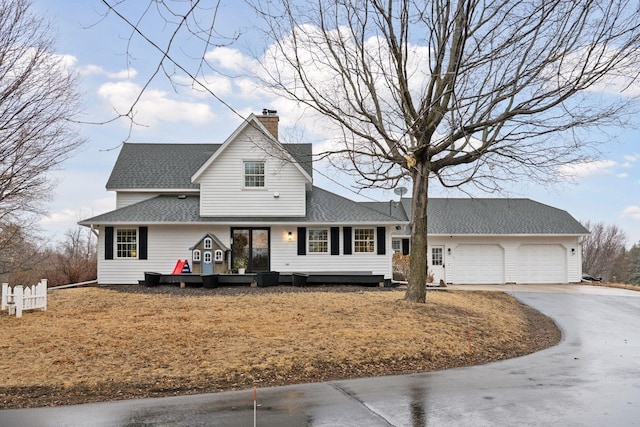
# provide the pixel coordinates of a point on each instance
(541, 264)
(478, 264)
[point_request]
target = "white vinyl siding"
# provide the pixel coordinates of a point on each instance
(166, 245)
(127, 198)
(124, 199)
(285, 258)
(223, 191)
(169, 243)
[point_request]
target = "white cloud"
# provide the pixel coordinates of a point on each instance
(154, 105)
(230, 59)
(68, 61)
(587, 169)
(56, 224)
(220, 85)
(632, 158)
(631, 212)
(91, 69)
(622, 175)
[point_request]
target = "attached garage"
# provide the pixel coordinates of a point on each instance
(497, 241)
(541, 264)
(478, 264)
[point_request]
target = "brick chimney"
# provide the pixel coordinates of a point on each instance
(270, 119)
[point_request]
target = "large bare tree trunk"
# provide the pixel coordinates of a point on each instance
(417, 288)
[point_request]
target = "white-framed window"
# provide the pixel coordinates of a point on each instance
(396, 245)
(208, 243)
(207, 257)
(127, 243)
(318, 240)
(196, 255)
(254, 174)
(218, 256)
(364, 240)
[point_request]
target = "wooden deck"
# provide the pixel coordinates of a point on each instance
(287, 279)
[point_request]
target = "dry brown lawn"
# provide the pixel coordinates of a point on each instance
(96, 344)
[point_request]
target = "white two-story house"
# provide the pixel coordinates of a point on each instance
(250, 203)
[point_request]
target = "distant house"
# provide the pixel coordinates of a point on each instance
(251, 202)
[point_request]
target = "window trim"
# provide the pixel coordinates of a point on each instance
(326, 241)
(356, 241)
(126, 246)
(245, 175)
(196, 256)
(207, 255)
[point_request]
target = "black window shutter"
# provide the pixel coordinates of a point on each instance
(143, 233)
(346, 233)
(335, 240)
(302, 240)
(405, 246)
(382, 245)
(108, 243)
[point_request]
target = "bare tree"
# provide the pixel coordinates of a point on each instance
(601, 249)
(463, 92)
(74, 260)
(37, 103)
(21, 257)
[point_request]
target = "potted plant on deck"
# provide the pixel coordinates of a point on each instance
(240, 264)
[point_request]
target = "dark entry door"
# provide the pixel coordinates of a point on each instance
(253, 246)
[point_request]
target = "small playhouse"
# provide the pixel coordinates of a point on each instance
(209, 256)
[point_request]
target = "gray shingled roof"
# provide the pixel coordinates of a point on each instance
(146, 166)
(496, 216)
(322, 207)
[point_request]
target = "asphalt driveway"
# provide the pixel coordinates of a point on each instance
(592, 378)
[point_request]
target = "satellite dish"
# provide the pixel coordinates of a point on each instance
(400, 191)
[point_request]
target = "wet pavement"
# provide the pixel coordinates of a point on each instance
(592, 378)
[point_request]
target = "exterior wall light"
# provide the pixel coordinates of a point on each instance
(290, 236)
(448, 251)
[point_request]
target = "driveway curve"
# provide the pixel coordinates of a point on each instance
(592, 378)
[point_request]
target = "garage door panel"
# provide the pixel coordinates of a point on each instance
(541, 264)
(479, 264)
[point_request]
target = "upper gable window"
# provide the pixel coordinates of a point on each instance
(254, 175)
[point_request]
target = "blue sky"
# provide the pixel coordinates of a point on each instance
(606, 189)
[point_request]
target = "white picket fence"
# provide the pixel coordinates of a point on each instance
(24, 297)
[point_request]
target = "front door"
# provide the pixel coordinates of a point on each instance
(251, 245)
(436, 267)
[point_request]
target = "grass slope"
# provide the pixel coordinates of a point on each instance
(96, 344)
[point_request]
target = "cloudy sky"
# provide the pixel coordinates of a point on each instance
(112, 74)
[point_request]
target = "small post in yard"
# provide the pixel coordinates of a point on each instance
(12, 308)
(255, 406)
(18, 293)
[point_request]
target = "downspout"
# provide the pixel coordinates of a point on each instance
(94, 231)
